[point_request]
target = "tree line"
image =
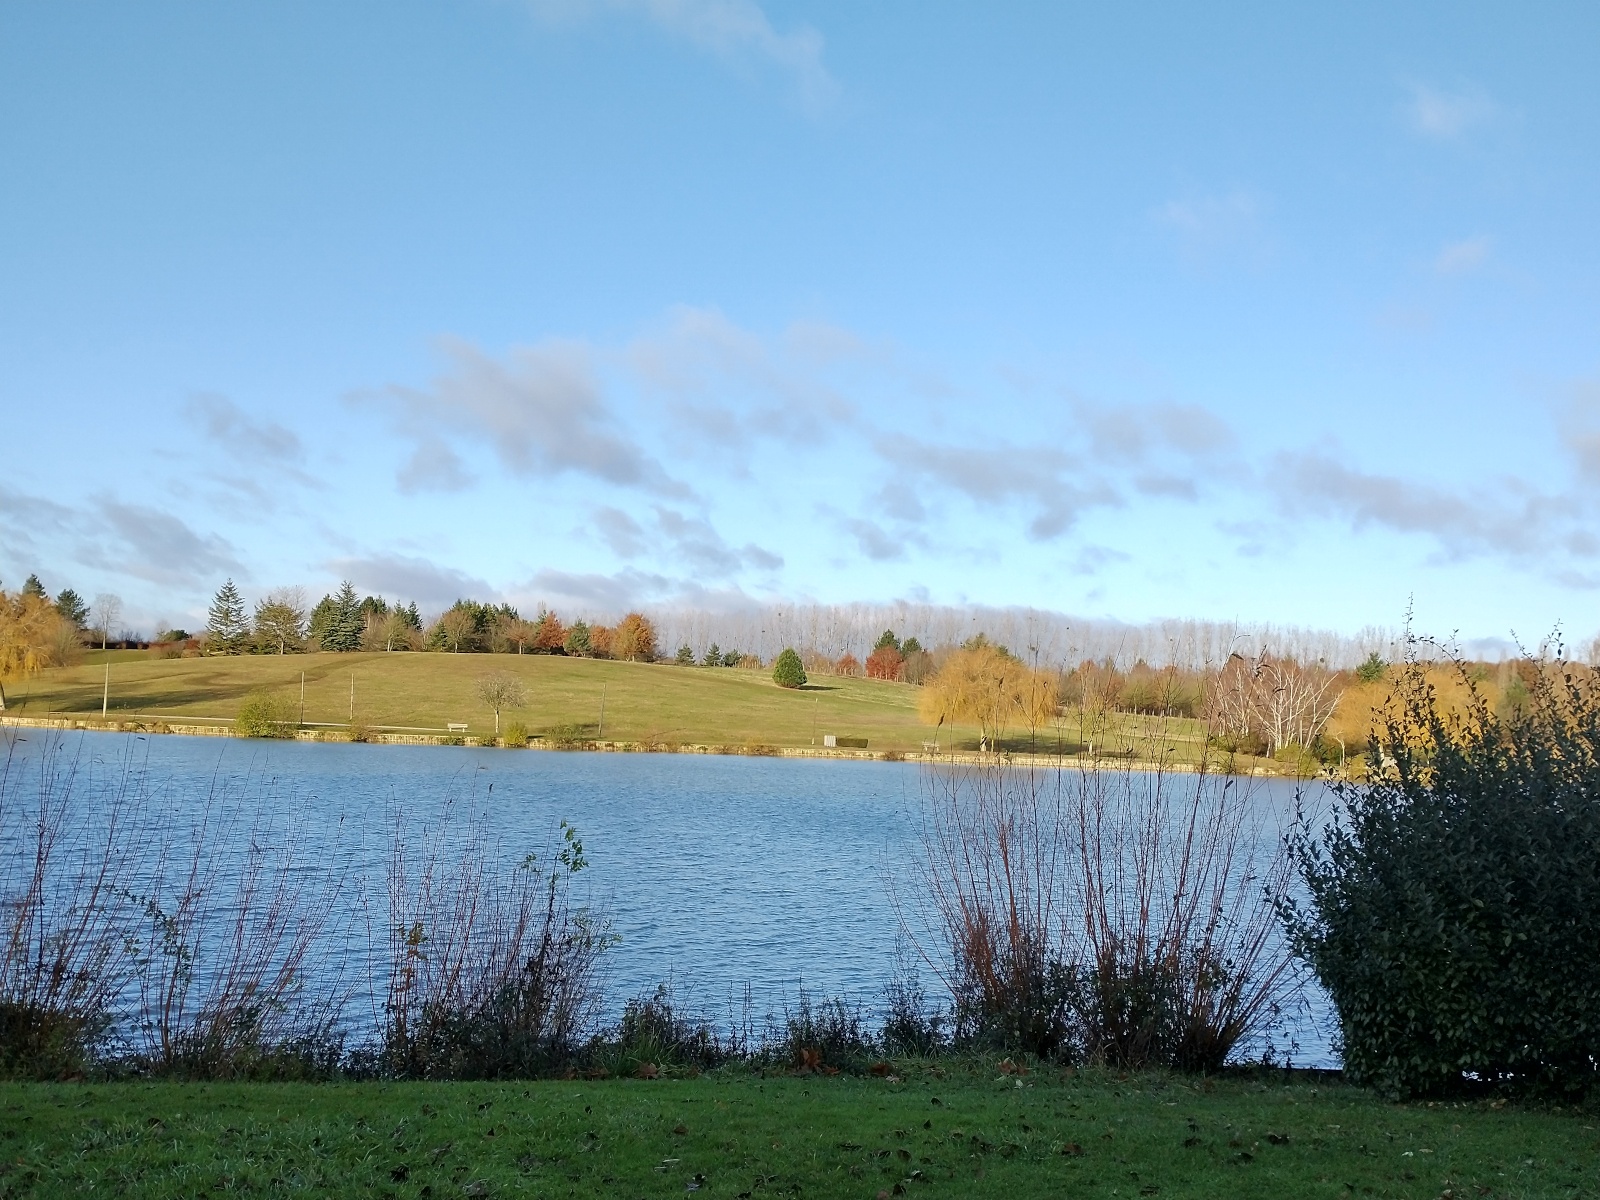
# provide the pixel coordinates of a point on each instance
(345, 621)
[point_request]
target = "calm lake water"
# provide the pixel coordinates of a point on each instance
(717, 872)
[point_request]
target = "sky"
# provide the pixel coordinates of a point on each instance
(1255, 312)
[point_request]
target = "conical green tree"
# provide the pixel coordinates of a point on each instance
(788, 671)
(72, 606)
(226, 626)
(344, 621)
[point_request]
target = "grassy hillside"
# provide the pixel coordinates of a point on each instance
(645, 702)
(955, 1132)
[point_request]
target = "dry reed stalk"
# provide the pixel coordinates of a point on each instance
(1176, 883)
(1126, 915)
(224, 976)
(63, 960)
(490, 971)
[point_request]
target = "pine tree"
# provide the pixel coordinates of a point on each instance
(578, 642)
(73, 607)
(788, 671)
(34, 588)
(346, 621)
(226, 627)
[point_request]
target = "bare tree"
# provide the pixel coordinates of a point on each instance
(501, 690)
(387, 630)
(1296, 700)
(1286, 702)
(458, 625)
(105, 614)
(281, 618)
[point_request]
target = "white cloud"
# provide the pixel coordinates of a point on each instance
(147, 543)
(541, 409)
(737, 31)
(1210, 228)
(681, 540)
(1459, 258)
(1447, 116)
(407, 577)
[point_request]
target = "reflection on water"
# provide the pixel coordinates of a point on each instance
(717, 872)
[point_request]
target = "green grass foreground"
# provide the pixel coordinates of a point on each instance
(957, 1131)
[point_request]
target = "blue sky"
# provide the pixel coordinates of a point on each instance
(1277, 313)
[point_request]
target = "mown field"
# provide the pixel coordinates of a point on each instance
(643, 702)
(953, 1131)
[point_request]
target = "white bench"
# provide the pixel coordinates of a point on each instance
(456, 726)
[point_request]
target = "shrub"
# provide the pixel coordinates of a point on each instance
(655, 1031)
(493, 974)
(829, 1032)
(911, 1026)
(265, 715)
(1454, 897)
(788, 672)
(516, 735)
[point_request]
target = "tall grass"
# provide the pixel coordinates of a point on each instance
(1087, 913)
(63, 959)
(1101, 913)
(152, 935)
(231, 920)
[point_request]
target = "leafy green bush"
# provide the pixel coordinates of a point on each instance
(1454, 898)
(264, 715)
(788, 672)
(517, 735)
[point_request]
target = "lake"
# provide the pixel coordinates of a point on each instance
(716, 872)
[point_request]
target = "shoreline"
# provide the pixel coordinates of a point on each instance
(391, 736)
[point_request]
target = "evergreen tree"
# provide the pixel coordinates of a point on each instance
(73, 607)
(348, 621)
(713, 656)
(911, 646)
(685, 656)
(788, 671)
(1373, 669)
(579, 642)
(412, 617)
(34, 588)
(886, 638)
(226, 628)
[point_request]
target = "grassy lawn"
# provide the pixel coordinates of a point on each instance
(965, 1133)
(643, 702)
